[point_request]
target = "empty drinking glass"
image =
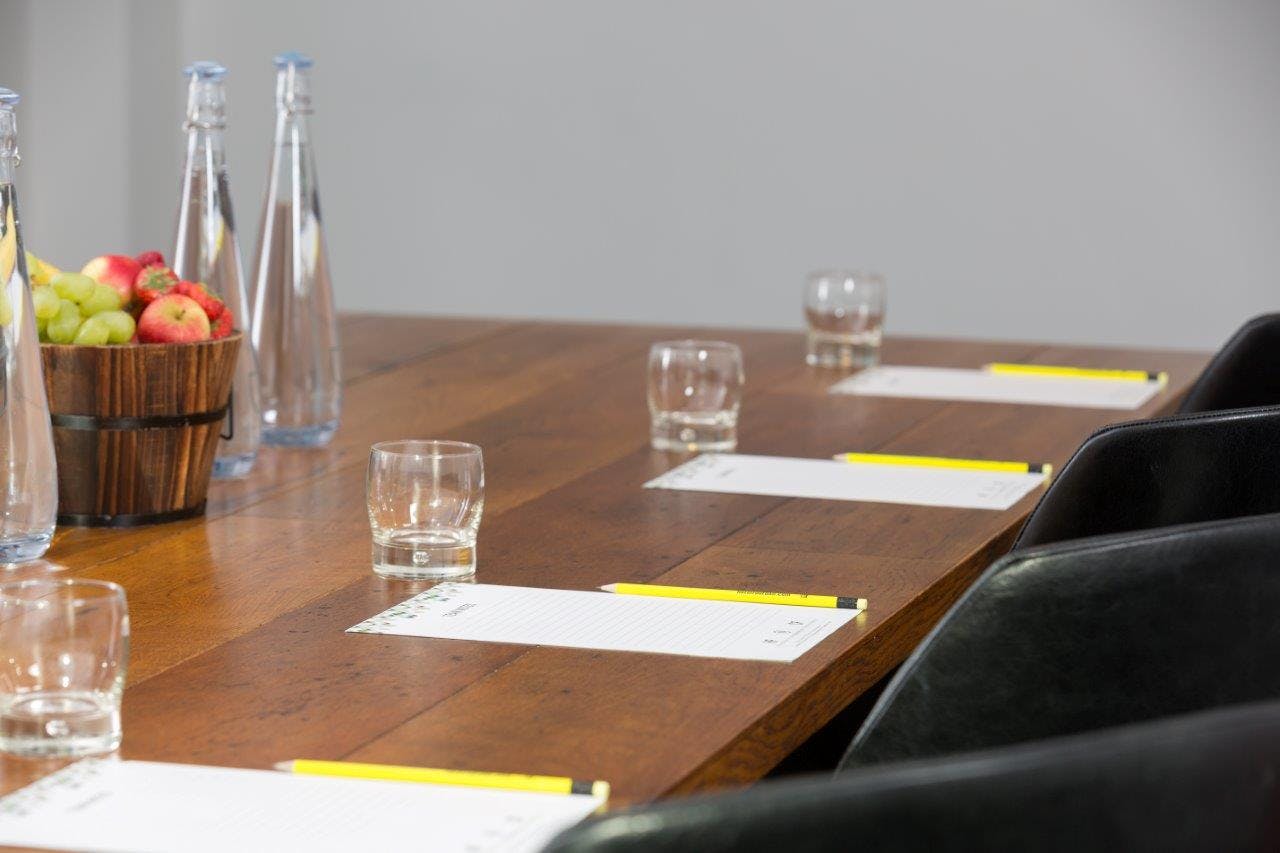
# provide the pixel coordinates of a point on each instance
(695, 390)
(425, 501)
(845, 313)
(64, 647)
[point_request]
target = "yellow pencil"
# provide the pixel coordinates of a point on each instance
(433, 776)
(748, 596)
(1078, 372)
(946, 462)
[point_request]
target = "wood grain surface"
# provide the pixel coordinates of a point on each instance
(239, 656)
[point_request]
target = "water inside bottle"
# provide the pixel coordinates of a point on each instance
(28, 485)
(219, 259)
(300, 402)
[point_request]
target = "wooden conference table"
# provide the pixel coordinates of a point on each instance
(239, 656)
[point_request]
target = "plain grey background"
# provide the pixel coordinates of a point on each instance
(1097, 171)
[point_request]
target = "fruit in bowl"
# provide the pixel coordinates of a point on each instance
(172, 319)
(41, 272)
(116, 271)
(153, 281)
(116, 299)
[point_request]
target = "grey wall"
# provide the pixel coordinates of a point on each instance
(1094, 171)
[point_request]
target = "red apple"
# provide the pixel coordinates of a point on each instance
(173, 319)
(117, 271)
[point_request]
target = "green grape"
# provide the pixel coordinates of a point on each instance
(73, 286)
(119, 323)
(41, 325)
(103, 298)
(62, 328)
(6, 309)
(45, 302)
(93, 333)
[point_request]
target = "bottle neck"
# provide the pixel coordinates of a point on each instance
(293, 91)
(205, 122)
(9, 157)
(206, 104)
(204, 211)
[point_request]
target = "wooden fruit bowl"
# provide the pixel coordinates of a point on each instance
(136, 427)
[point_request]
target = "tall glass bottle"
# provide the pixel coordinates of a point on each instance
(206, 250)
(294, 329)
(28, 474)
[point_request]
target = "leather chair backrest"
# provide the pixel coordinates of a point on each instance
(1089, 634)
(1244, 373)
(1205, 782)
(1178, 470)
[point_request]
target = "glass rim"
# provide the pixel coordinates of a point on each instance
(834, 272)
(437, 448)
(8, 588)
(695, 343)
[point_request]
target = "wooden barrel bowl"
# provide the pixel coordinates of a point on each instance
(136, 428)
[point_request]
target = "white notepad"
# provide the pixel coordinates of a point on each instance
(141, 807)
(779, 476)
(602, 620)
(946, 383)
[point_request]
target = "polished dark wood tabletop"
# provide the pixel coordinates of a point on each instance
(239, 652)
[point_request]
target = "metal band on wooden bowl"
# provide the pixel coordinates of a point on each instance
(76, 519)
(98, 423)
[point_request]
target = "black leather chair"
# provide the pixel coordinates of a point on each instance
(1244, 373)
(1205, 782)
(1177, 470)
(1090, 634)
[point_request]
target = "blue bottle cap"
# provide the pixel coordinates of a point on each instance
(206, 70)
(9, 98)
(292, 57)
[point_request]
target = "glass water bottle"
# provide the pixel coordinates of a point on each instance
(295, 332)
(29, 487)
(206, 250)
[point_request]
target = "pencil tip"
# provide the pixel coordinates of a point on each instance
(609, 587)
(283, 765)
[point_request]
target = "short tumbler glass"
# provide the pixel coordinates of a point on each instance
(695, 390)
(64, 649)
(425, 501)
(845, 313)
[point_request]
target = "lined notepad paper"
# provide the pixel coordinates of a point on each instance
(599, 620)
(141, 807)
(945, 383)
(825, 479)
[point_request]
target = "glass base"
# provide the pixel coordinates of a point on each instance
(424, 562)
(20, 549)
(231, 466)
(686, 436)
(63, 723)
(843, 351)
(317, 435)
